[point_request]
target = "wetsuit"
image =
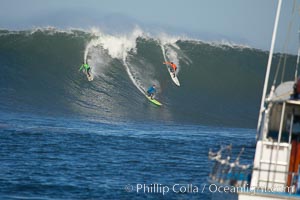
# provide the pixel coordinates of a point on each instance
(173, 67)
(151, 91)
(86, 67)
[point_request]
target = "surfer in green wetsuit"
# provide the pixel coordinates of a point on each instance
(86, 67)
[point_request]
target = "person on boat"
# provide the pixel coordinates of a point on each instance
(296, 89)
(86, 67)
(173, 67)
(151, 91)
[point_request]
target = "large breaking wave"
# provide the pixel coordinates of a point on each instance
(221, 84)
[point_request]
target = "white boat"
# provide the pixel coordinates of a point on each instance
(274, 173)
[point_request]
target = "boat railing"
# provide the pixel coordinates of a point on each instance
(235, 174)
(226, 172)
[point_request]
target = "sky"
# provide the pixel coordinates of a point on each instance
(245, 22)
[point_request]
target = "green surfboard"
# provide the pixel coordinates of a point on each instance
(154, 101)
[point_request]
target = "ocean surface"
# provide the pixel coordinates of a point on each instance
(62, 137)
(62, 158)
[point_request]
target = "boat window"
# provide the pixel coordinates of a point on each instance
(274, 123)
(296, 125)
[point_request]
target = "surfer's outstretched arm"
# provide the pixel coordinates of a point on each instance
(81, 67)
(167, 63)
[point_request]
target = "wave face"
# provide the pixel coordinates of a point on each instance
(220, 84)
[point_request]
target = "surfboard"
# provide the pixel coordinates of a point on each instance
(154, 101)
(174, 78)
(90, 78)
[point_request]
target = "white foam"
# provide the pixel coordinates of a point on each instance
(50, 30)
(172, 39)
(118, 47)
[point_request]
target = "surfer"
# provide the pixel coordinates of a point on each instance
(151, 91)
(173, 67)
(86, 67)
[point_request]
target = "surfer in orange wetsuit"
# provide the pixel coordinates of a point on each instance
(173, 67)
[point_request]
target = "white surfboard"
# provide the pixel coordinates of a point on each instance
(90, 78)
(174, 77)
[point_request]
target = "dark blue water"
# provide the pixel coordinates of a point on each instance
(64, 158)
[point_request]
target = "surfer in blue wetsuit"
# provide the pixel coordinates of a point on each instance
(151, 91)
